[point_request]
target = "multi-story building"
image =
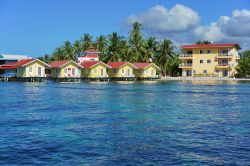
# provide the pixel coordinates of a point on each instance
(209, 60)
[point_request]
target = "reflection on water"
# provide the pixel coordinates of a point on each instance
(125, 123)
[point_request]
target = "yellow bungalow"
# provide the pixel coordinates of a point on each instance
(94, 69)
(121, 70)
(146, 70)
(27, 68)
(65, 69)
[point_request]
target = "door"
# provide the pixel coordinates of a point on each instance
(189, 73)
(152, 73)
(224, 73)
(39, 72)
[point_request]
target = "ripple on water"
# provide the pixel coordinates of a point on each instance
(166, 123)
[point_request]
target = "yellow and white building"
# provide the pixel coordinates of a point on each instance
(121, 70)
(209, 60)
(94, 69)
(65, 69)
(146, 70)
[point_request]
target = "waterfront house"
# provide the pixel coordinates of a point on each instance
(121, 70)
(146, 70)
(95, 69)
(88, 55)
(27, 68)
(10, 59)
(209, 60)
(65, 69)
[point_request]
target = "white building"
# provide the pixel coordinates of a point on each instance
(4, 58)
(89, 55)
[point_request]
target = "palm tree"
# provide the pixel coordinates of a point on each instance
(172, 66)
(136, 41)
(164, 54)
(76, 48)
(58, 54)
(126, 54)
(68, 51)
(150, 47)
(101, 43)
(114, 47)
(86, 41)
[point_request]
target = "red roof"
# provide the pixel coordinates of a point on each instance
(141, 65)
(89, 64)
(116, 65)
(16, 64)
(91, 56)
(58, 64)
(210, 45)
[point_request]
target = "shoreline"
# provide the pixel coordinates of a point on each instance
(202, 79)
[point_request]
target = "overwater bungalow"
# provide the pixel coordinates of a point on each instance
(27, 69)
(121, 71)
(66, 70)
(95, 70)
(146, 70)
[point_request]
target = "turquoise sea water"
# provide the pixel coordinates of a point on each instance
(154, 123)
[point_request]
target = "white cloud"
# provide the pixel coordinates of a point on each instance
(234, 28)
(182, 24)
(159, 20)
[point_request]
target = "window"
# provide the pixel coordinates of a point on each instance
(65, 70)
(209, 51)
(122, 71)
(194, 71)
(208, 61)
(30, 69)
(95, 71)
(128, 72)
(73, 72)
(201, 61)
(205, 71)
(39, 71)
(79, 72)
(217, 71)
(224, 51)
(102, 72)
(201, 52)
(114, 70)
(190, 52)
(139, 71)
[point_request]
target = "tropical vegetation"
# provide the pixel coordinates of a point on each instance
(243, 68)
(135, 48)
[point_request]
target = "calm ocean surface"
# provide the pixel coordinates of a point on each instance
(164, 123)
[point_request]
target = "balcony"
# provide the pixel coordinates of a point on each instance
(186, 56)
(186, 65)
(222, 66)
(224, 56)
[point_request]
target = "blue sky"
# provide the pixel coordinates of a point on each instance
(37, 27)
